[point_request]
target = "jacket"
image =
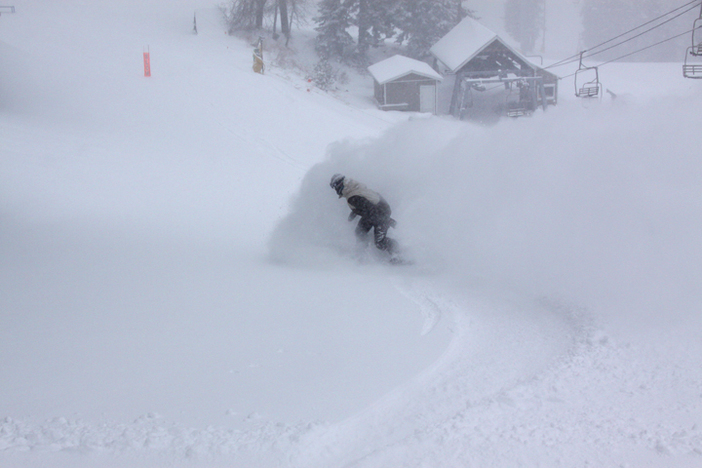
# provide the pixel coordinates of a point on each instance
(366, 203)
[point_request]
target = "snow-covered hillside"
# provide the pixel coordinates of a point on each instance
(179, 285)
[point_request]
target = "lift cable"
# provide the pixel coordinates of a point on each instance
(640, 34)
(622, 56)
(576, 57)
(636, 51)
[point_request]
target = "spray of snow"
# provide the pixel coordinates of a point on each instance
(586, 204)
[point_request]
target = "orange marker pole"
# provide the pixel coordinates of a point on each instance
(147, 64)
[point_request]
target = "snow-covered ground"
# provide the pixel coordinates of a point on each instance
(179, 286)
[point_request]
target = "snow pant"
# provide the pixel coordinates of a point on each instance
(379, 221)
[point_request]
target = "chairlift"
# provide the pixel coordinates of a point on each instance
(692, 68)
(587, 81)
(696, 48)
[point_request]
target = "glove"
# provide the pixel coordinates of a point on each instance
(392, 223)
(352, 216)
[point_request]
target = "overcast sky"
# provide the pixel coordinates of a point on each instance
(562, 23)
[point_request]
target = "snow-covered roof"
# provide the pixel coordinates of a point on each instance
(462, 43)
(398, 66)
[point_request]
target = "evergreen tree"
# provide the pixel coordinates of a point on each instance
(375, 21)
(419, 23)
(333, 22)
(384, 23)
(372, 18)
(424, 22)
(524, 21)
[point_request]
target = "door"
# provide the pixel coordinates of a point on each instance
(427, 99)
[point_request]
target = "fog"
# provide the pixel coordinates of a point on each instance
(563, 25)
(590, 206)
(565, 34)
(143, 323)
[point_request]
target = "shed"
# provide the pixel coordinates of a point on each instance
(402, 83)
(479, 57)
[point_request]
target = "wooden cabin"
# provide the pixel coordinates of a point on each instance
(405, 84)
(481, 60)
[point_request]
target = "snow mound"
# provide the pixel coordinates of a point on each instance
(150, 434)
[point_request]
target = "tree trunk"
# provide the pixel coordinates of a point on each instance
(284, 23)
(259, 13)
(363, 27)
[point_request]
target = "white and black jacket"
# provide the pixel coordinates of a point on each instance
(366, 203)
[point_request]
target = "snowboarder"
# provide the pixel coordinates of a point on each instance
(371, 207)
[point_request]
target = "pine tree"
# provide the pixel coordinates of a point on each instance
(384, 23)
(524, 20)
(375, 22)
(373, 19)
(333, 22)
(419, 23)
(424, 22)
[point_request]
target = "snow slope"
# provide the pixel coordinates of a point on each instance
(179, 286)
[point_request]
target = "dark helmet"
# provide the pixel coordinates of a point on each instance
(337, 183)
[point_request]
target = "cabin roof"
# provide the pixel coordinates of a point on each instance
(398, 66)
(462, 43)
(466, 41)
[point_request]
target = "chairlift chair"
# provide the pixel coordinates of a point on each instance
(692, 68)
(584, 87)
(697, 35)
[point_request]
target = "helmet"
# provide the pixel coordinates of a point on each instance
(337, 183)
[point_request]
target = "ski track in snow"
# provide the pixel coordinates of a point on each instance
(474, 370)
(392, 423)
(430, 310)
(519, 378)
(475, 407)
(388, 422)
